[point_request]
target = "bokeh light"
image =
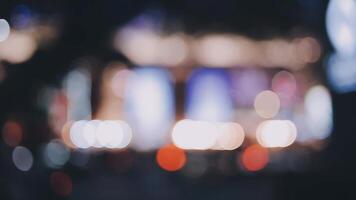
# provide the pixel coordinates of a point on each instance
(230, 136)
(126, 139)
(254, 158)
(203, 135)
(149, 107)
(341, 73)
(98, 143)
(285, 85)
(12, 133)
(308, 49)
(76, 134)
(199, 135)
(56, 154)
(208, 96)
(276, 133)
(267, 104)
(78, 90)
(227, 50)
(145, 46)
(112, 134)
(22, 158)
(319, 112)
(4, 30)
(221, 50)
(177, 99)
(171, 158)
(18, 47)
(65, 135)
(341, 25)
(138, 44)
(61, 183)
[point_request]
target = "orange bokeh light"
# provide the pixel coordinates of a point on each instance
(171, 158)
(254, 158)
(65, 135)
(12, 133)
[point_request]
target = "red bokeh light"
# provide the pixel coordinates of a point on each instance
(12, 133)
(61, 183)
(171, 158)
(254, 158)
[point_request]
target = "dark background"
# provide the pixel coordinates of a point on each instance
(86, 27)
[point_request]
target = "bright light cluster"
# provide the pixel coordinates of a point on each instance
(149, 107)
(203, 135)
(100, 134)
(276, 133)
(341, 29)
(150, 46)
(147, 47)
(340, 25)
